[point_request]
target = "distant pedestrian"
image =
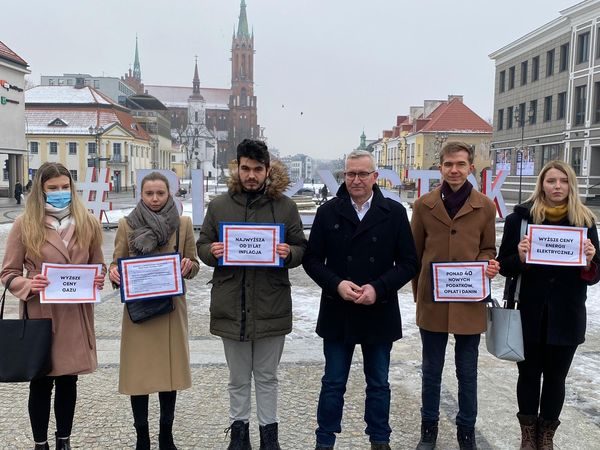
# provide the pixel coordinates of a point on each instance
(18, 192)
(324, 193)
(155, 355)
(552, 301)
(360, 252)
(28, 186)
(55, 228)
(251, 307)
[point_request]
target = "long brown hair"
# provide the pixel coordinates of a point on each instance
(87, 227)
(579, 214)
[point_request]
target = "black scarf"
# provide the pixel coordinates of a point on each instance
(453, 201)
(149, 229)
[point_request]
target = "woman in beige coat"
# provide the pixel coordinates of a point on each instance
(155, 353)
(55, 228)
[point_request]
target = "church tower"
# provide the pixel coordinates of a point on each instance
(134, 78)
(242, 101)
(196, 103)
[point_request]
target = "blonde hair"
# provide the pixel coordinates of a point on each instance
(579, 214)
(87, 227)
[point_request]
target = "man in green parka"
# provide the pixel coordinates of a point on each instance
(251, 307)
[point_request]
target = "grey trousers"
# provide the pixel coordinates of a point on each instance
(261, 359)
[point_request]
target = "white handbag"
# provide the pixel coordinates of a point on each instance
(504, 335)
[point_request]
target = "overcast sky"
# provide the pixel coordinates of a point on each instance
(324, 69)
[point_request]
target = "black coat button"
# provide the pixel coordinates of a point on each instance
(336, 226)
(453, 231)
(372, 259)
(349, 258)
(374, 238)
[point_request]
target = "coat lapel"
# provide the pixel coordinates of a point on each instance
(438, 210)
(377, 213)
(53, 238)
(472, 203)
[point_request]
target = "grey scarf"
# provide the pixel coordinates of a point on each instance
(150, 229)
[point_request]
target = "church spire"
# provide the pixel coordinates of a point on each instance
(196, 82)
(137, 71)
(242, 31)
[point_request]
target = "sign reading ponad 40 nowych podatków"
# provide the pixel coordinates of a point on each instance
(556, 245)
(460, 281)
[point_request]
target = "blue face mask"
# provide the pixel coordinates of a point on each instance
(59, 199)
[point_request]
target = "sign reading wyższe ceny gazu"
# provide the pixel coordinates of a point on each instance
(556, 245)
(250, 244)
(460, 281)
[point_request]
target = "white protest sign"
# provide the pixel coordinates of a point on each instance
(460, 281)
(556, 245)
(248, 244)
(70, 283)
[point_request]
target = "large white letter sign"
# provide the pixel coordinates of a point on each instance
(95, 191)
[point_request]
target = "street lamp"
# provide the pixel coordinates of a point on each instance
(520, 120)
(96, 132)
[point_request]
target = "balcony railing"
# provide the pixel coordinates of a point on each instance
(117, 159)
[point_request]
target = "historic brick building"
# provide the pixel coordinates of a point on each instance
(230, 114)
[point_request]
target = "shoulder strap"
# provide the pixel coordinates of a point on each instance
(518, 286)
(3, 299)
(177, 240)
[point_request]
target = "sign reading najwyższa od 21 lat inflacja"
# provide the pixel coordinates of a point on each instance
(250, 244)
(460, 281)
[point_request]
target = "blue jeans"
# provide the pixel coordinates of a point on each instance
(466, 353)
(376, 365)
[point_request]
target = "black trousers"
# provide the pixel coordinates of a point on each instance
(553, 363)
(65, 397)
(139, 406)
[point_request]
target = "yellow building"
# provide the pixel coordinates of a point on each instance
(80, 128)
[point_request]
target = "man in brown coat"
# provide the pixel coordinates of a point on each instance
(452, 223)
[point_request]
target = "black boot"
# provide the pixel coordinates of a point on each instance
(380, 446)
(546, 430)
(43, 446)
(528, 423)
(165, 437)
(240, 436)
(269, 437)
(466, 438)
(143, 437)
(63, 444)
(429, 432)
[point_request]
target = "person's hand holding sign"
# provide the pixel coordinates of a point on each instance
(524, 247)
(283, 250)
(39, 283)
(99, 281)
(186, 266)
(217, 249)
(492, 269)
(589, 250)
(113, 275)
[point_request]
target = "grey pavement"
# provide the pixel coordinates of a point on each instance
(103, 419)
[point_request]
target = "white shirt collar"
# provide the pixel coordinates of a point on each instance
(365, 207)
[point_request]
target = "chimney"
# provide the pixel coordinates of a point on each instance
(79, 82)
(457, 97)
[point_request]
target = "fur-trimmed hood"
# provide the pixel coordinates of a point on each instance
(277, 182)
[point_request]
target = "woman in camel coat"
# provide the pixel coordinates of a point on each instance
(155, 353)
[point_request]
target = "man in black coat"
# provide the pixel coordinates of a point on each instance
(360, 252)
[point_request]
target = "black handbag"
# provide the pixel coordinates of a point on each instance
(25, 346)
(144, 310)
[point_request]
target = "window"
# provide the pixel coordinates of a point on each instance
(561, 105)
(576, 160)
(597, 102)
(522, 115)
(583, 47)
(524, 73)
(598, 43)
(535, 68)
(509, 117)
(548, 108)
(72, 148)
(550, 152)
(50, 81)
(53, 148)
(511, 77)
(500, 124)
(73, 174)
(532, 112)
(550, 63)
(92, 148)
(564, 58)
(34, 148)
(502, 81)
(97, 84)
(116, 152)
(580, 104)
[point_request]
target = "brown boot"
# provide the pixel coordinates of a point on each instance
(528, 431)
(546, 429)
